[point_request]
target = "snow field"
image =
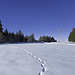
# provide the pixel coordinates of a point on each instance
(37, 59)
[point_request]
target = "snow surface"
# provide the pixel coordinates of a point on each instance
(37, 59)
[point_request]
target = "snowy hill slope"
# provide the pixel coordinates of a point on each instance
(37, 59)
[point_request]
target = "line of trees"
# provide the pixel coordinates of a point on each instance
(7, 37)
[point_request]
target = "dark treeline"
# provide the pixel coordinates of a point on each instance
(7, 37)
(47, 39)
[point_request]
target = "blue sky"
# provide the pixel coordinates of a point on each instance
(41, 17)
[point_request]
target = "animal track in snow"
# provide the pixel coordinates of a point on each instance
(31, 54)
(42, 62)
(34, 56)
(44, 69)
(41, 73)
(39, 59)
(42, 65)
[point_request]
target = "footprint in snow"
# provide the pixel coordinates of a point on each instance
(34, 56)
(42, 65)
(43, 62)
(40, 73)
(44, 69)
(31, 54)
(39, 59)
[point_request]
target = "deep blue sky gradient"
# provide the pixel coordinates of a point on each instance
(41, 17)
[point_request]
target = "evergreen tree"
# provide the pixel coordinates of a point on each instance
(11, 38)
(20, 36)
(2, 38)
(26, 38)
(31, 38)
(5, 33)
(41, 39)
(1, 29)
(1, 34)
(72, 36)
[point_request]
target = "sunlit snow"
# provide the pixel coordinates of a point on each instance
(37, 59)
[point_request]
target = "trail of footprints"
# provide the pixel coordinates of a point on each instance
(41, 61)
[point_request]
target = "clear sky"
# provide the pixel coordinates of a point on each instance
(41, 17)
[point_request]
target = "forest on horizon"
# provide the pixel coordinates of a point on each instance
(10, 37)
